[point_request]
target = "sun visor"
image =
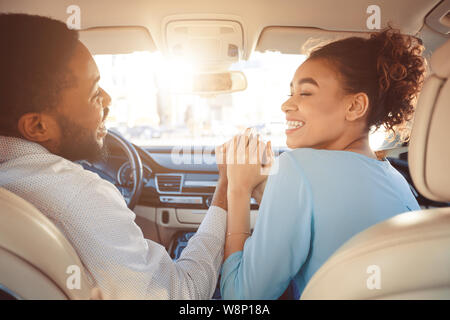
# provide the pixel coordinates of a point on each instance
(297, 40)
(117, 40)
(439, 18)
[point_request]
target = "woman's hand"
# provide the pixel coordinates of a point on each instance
(248, 162)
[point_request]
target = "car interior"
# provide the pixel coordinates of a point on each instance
(165, 124)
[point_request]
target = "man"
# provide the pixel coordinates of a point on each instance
(53, 113)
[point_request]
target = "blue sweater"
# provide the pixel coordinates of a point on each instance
(314, 201)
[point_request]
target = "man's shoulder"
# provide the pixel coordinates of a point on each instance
(82, 179)
(67, 179)
(54, 184)
(72, 172)
(82, 190)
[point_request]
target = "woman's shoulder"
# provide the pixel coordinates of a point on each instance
(293, 163)
(314, 157)
(315, 164)
(308, 156)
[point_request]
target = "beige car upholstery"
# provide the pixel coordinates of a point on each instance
(407, 256)
(36, 260)
(429, 151)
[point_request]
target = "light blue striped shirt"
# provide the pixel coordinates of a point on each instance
(316, 201)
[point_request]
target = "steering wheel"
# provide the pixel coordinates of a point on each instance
(131, 196)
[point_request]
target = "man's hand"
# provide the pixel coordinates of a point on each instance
(258, 192)
(221, 157)
(220, 194)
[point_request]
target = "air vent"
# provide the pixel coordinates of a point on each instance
(170, 183)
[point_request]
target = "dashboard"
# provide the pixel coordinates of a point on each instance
(125, 175)
(189, 185)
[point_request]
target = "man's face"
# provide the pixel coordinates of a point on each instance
(82, 111)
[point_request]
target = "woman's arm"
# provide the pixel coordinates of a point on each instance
(280, 242)
(243, 176)
(238, 222)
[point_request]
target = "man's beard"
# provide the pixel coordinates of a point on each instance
(77, 143)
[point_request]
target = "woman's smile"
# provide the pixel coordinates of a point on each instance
(294, 125)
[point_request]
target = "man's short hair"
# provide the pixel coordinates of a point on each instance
(34, 57)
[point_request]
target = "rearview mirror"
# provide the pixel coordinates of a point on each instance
(205, 83)
(209, 83)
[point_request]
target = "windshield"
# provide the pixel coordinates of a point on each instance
(146, 111)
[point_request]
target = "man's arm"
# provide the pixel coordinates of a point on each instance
(220, 195)
(125, 265)
(210, 237)
(258, 192)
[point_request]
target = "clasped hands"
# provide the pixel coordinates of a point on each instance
(244, 164)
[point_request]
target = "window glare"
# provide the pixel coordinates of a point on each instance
(147, 113)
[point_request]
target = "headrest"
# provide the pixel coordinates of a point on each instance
(429, 149)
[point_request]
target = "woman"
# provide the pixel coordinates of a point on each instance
(331, 185)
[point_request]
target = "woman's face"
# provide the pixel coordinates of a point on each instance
(316, 109)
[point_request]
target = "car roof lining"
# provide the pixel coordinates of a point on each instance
(255, 15)
(298, 40)
(117, 40)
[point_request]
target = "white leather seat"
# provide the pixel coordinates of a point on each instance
(407, 256)
(35, 255)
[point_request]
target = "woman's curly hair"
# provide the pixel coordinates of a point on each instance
(388, 67)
